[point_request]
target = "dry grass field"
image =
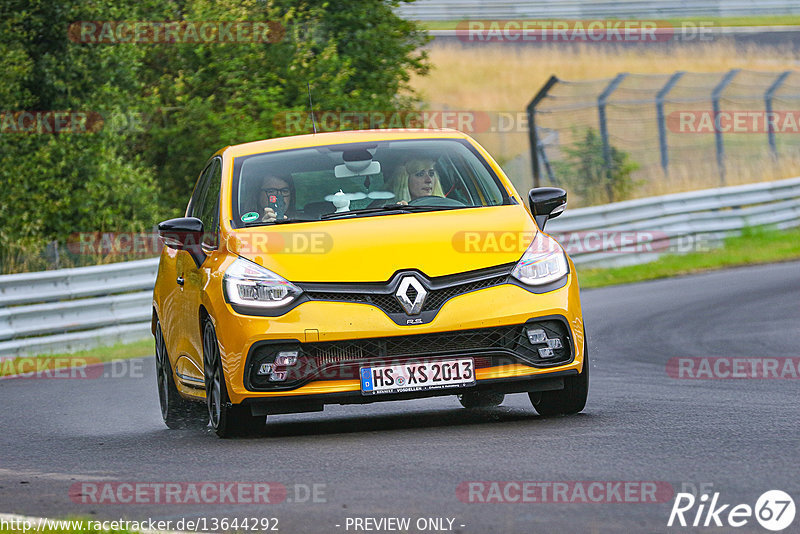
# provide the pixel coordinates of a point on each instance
(497, 77)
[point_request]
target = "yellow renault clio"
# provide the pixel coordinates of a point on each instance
(355, 267)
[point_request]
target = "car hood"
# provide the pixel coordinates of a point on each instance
(373, 248)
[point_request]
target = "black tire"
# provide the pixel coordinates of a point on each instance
(227, 419)
(567, 401)
(481, 399)
(177, 412)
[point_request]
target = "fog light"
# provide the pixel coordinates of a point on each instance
(265, 369)
(286, 358)
(537, 336)
(277, 376)
(554, 343)
(546, 352)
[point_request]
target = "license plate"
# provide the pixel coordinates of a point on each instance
(417, 376)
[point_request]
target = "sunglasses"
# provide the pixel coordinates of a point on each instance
(423, 172)
(282, 191)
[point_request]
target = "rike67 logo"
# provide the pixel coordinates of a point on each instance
(774, 510)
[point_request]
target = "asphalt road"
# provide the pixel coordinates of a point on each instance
(407, 459)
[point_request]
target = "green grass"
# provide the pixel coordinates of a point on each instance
(760, 20)
(754, 246)
(119, 351)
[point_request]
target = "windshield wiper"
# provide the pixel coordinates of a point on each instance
(284, 221)
(397, 208)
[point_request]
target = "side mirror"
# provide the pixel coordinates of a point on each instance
(183, 233)
(546, 203)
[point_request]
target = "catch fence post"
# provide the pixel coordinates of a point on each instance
(768, 96)
(602, 100)
(715, 96)
(662, 127)
(532, 134)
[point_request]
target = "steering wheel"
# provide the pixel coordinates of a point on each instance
(433, 200)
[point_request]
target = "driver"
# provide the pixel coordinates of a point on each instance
(415, 179)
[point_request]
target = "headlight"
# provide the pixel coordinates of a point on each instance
(249, 284)
(542, 263)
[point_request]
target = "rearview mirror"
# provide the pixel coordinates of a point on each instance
(546, 203)
(349, 169)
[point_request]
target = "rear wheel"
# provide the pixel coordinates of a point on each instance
(567, 401)
(481, 399)
(227, 419)
(176, 411)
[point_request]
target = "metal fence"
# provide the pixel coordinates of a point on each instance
(671, 128)
(73, 309)
(577, 9)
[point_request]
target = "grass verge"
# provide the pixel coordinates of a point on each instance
(754, 246)
(51, 362)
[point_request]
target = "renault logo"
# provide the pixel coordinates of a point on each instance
(411, 295)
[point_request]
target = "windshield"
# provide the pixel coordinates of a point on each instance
(362, 179)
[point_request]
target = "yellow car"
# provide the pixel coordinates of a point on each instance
(355, 267)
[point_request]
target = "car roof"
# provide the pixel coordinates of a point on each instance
(330, 138)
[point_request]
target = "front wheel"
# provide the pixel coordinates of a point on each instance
(176, 411)
(227, 419)
(567, 401)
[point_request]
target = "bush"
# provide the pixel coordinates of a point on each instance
(583, 171)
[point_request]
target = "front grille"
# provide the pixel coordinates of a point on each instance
(341, 360)
(499, 338)
(389, 304)
(438, 297)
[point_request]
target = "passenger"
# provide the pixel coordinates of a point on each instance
(415, 179)
(276, 186)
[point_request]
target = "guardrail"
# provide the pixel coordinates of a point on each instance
(73, 309)
(583, 9)
(676, 223)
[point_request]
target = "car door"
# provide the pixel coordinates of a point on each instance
(195, 277)
(175, 323)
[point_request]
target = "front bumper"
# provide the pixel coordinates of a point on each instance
(322, 323)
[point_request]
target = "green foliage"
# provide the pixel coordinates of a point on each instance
(178, 103)
(54, 185)
(583, 171)
(356, 55)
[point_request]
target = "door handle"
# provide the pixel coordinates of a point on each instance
(180, 280)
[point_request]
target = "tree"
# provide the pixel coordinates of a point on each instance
(191, 99)
(57, 184)
(356, 56)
